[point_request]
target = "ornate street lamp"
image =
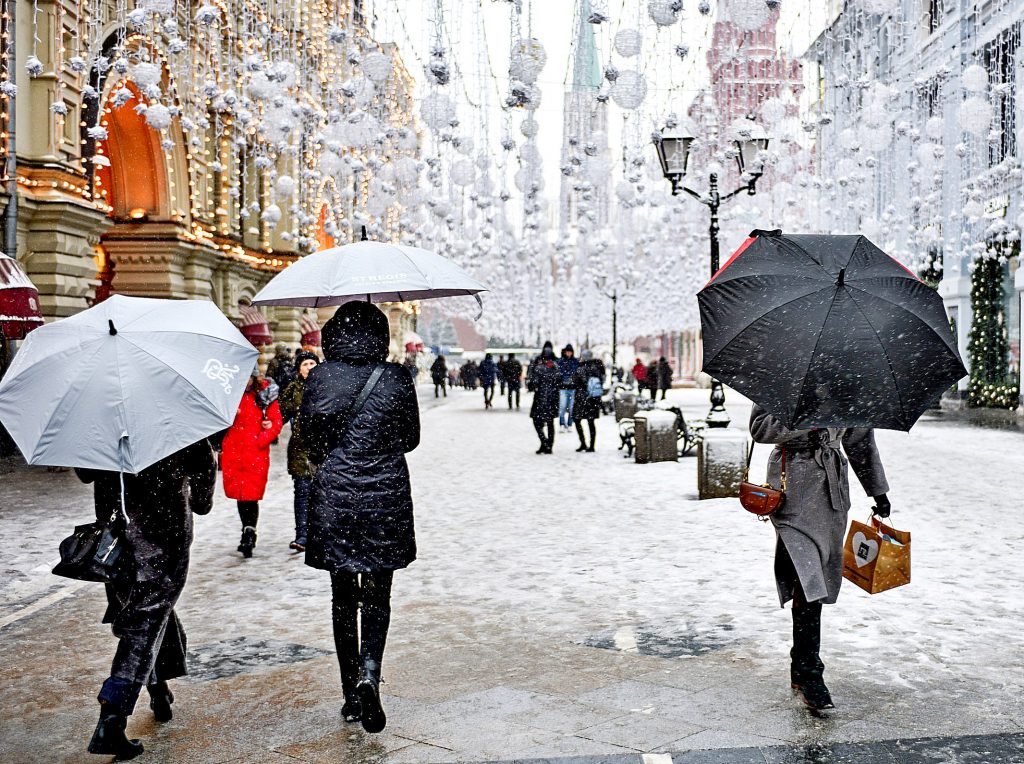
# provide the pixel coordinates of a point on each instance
(749, 142)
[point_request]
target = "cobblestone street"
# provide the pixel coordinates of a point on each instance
(574, 605)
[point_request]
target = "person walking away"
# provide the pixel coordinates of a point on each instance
(810, 528)
(513, 379)
(439, 376)
(158, 502)
(640, 375)
(361, 525)
(664, 376)
(567, 366)
(652, 378)
(298, 456)
(544, 380)
(589, 382)
(501, 376)
(245, 454)
(410, 365)
(488, 376)
(281, 368)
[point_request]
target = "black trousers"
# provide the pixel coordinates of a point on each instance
(513, 391)
(592, 426)
(249, 513)
(440, 386)
(540, 425)
(361, 612)
(488, 395)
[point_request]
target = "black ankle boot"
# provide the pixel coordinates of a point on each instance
(368, 689)
(245, 546)
(109, 737)
(806, 670)
(352, 709)
(160, 699)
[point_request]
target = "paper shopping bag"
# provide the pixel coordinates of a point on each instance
(876, 557)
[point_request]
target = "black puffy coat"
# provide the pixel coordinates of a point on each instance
(361, 513)
(585, 406)
(545, 380)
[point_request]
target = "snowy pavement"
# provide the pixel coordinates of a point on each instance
(564, 605)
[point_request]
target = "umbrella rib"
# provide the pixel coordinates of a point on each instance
(814, 352)
(761, 318)
(905, 310)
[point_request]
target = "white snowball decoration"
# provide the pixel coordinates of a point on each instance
(530, 154)
(360, 130)
(33, 66)
(527, 60)
(121, 97)
(271, 214)
(377, 67)
(773, 111)
(665, 13)
(629, 89)
(849, 139)
(158, 116)
(626, 192)
(529, 180)
(285, 186)
(529, 127)
(207, 15)
(976, 115)
(927, 155)
(437, 110)
(146, 74)
(628, 42)
(748, 15)
(975, 78)
(463, 172)
(162, 7)
(879, 6)
(598, 170)
(933, 128)
(407, 171)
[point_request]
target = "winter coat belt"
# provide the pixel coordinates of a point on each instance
(829, 458)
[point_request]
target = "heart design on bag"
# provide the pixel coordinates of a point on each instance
(865, 550)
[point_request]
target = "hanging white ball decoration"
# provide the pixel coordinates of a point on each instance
(158, 116)
(146, 74)
(665, 13)
(976, 115)
(933, 128)
(626, 192)
(530, 154)
(749, 15)
(975, 78)
(463, 172)
(773, 111)
(529, 127)
(271, 214)
(377, 67)
(207, 15)
(33, 66)
(849, 139)
(407, 172)
(628, 42)
(285, 186)
(629, 89)
(527, 60)
(437, 110)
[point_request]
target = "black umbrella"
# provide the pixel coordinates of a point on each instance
(827, 331)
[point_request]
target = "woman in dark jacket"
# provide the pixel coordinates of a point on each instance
(664, 376)
(810, 528)
(298, 457)
(159, 503)
(361, 514)
(439, 375)
(587, 407)
(545, 381)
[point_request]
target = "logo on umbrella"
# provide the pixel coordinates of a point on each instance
(220, 372)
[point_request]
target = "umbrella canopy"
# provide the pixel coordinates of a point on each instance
(254, 326)
(19, 301)
(367, 270)
(125, 383)
(827, 331)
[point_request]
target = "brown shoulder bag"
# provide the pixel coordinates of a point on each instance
(762, 500)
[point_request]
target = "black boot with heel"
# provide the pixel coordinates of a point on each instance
(368, 688)
(806, 669)
(109, 737)
(160, 699)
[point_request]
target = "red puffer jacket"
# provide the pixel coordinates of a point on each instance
(245, 453)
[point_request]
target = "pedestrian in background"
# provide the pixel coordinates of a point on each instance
(359, 417)
(639, 372)
(544, 379)
(502, 363)
(245, 454)
(439, 376)
(488, 377)
(589, 383)
(513, 379)
(281, 368)
(298, 455)
(651, 378)
(811, 527)
(567, 366)
(664, 377)
(158, 502)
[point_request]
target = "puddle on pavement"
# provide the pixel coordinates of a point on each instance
(666, 641)
(240, 655)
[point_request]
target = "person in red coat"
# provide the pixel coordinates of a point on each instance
(245, 454)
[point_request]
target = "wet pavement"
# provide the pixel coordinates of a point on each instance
(574, 608)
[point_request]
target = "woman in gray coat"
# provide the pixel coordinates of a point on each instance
(811, 526)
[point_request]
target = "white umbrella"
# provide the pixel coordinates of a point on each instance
(367, 270)
(125, 383)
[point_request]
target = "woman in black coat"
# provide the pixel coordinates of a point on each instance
(545, 381)
(587, 407)
(361, 515)
(159, 503)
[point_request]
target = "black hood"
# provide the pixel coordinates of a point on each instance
(358, 332)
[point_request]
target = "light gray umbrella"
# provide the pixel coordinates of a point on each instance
(125, 383)
(367, 270)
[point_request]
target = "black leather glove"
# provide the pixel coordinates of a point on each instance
(882, 506)
(814, 438)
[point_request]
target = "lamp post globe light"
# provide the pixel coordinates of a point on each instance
(749, 142)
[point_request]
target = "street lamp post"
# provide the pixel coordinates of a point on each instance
(673, 147)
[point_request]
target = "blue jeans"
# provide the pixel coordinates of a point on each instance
(566, 400)
(302, 488)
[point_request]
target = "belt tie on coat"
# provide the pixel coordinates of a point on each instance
(829, 458)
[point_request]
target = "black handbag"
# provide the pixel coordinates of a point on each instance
(92, 553)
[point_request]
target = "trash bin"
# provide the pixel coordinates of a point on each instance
(655, 433)
(625, 406)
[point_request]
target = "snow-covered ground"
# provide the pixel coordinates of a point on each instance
(572, 603)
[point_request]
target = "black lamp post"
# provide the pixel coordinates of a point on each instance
(673, 145)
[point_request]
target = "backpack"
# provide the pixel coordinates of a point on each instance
(594, 387)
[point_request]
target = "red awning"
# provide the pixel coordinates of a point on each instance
(19, 301)
(310, 331)
(254, 326)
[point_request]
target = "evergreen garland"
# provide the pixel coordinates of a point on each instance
(988, 346)
(931, 272)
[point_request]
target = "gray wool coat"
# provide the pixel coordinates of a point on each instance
(811, 524)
